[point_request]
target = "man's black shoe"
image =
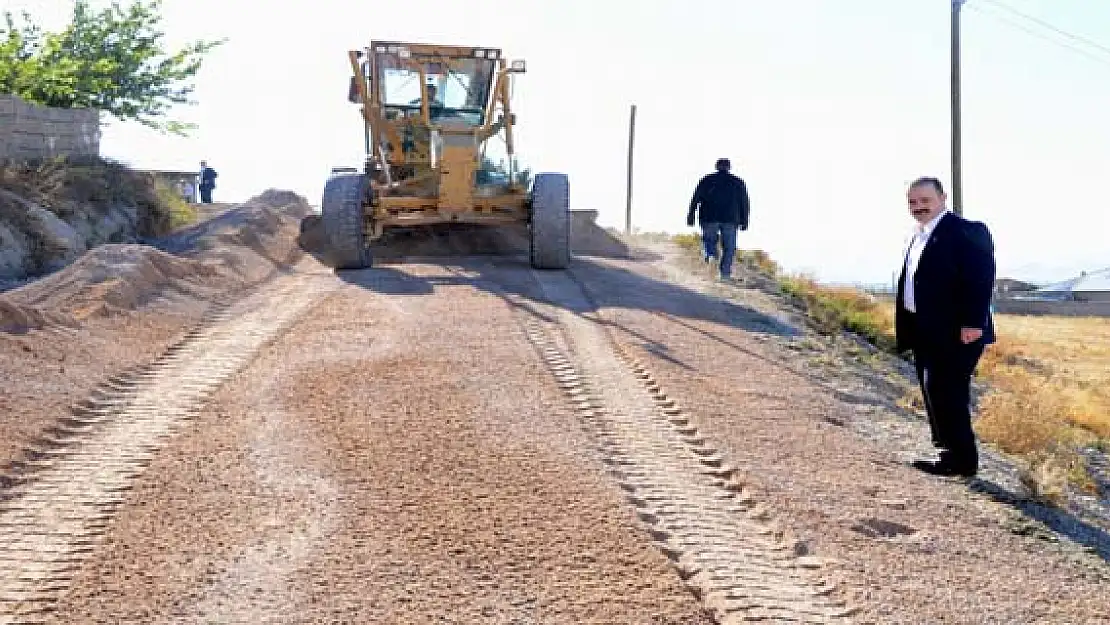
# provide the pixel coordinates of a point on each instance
(942, 469)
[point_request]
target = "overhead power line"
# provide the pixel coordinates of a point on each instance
(1103, 58)
(1056, 29)
(957, 6)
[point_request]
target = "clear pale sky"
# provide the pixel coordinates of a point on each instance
(827, 108)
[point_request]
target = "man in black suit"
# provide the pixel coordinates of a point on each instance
(943, 315)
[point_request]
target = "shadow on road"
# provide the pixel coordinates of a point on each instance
(453, 240)
(1058, 520)
(494, 260)
(605, 285)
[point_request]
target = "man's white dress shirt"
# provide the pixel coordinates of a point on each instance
(917, 245)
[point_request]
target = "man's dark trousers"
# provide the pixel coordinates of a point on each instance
(944, 372)
(206, 194)
(711, 233)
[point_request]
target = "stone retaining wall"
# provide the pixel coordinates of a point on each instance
(31, 132)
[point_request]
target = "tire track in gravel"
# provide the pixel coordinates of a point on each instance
(254, 587)
(724, 543)
(52, 520)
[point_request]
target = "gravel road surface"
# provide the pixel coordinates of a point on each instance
(471, 441)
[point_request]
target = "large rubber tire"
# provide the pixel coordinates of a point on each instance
(341, 212)
(550, 224)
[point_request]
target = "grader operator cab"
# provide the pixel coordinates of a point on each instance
(429, 111)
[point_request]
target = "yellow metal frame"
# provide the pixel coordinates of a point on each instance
(452, 198)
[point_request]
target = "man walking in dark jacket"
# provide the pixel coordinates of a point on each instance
(721, 201)
(943, 314)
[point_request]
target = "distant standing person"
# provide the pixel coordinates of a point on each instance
(943, 315)
(207, 182)
(721, 201)
(186, 190)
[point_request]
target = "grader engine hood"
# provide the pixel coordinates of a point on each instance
(456, 155)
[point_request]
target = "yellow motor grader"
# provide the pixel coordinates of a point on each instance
(428, 112)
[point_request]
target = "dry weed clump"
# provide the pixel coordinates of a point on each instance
(1047, 479)
(1048, 377)
(1030, 422)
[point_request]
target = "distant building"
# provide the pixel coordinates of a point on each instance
(1093, 286)
(1005, 286)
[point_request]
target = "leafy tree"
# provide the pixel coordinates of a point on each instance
(112, 60)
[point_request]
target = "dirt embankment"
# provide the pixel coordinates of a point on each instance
(122, 304)
(53, 212)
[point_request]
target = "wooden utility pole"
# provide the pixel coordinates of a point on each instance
(628, 193)
(957, 165)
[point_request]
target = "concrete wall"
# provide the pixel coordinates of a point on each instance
(1093, 296)
(29, 131)
(1066, 309)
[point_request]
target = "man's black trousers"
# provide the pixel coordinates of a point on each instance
(944, 372)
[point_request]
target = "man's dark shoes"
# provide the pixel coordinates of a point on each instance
(943, 469)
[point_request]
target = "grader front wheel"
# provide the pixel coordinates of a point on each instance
(342, 217)
(550, 225)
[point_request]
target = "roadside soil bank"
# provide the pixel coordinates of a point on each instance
(120, 305)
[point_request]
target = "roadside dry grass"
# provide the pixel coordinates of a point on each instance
(1073, 352)
(831, 309)
(1050, 394)
(1047, 378)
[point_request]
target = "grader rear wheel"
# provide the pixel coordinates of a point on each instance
(342, 217)
(550, 225)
